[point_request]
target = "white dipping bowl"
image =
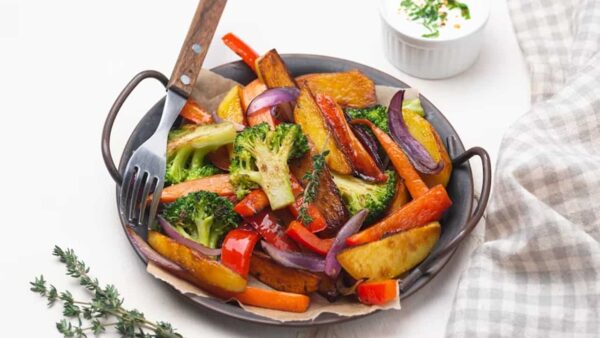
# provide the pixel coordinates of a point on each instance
(432, 58)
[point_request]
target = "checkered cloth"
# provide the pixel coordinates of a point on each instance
(538, 272)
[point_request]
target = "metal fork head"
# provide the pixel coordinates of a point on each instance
(143, 176)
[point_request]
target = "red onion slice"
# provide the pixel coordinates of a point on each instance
(332, 266)
(296, 260)
(272, 97)
(369, 143)
(179, 238)
(416, 152)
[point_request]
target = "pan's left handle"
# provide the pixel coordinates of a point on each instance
(112, 115)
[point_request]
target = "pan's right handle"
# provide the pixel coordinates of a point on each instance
(112, 115)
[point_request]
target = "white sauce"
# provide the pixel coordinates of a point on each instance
(456, 25)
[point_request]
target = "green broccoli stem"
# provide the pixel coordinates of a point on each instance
(198, 157)
(203, 228)
(275, 181)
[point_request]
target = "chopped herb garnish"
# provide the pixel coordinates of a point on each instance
(312, 181)
(433, 14)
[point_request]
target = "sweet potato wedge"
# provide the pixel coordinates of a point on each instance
(308, 115)
(252, 90)
(273, 72)
(230, 108)
(282, 278)
(400, 198)
(200, 267)
(348, 89)
(390, 257)
(328, 199)
(424, 132)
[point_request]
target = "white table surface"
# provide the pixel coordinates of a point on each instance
(62, 63)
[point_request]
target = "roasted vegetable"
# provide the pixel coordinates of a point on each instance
(377, 292)
(282, 278)
(218, 184)
(230, 108)
(187, 149)
(348, 89)
(443, 177)
(260, 160)
(237, 248)
(328, 199)
(202, 216)
(361, 160)
(308, 115)
(391, 256)
(376, 114)
(359, 194)
(199, 266)
(194, 113)
(307, 239)
(253, 203)
(239, 47)
(273, 72)
(270, 230)
(401, 197)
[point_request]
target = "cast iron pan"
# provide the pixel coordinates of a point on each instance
(457, 223)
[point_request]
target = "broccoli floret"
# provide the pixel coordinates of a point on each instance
(358, 194)
(202, 216)
(376, 114)
(260, 157)
(188, 147)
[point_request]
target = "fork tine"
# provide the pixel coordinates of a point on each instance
(144, 200)
(126, 189)
(155, 198)
(133, 201)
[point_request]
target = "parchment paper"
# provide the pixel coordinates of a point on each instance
(210, 89)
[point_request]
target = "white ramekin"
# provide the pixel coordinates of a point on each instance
(432, 58)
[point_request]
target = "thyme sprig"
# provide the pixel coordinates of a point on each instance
(312, 182)
(433, 13)
(104, 309)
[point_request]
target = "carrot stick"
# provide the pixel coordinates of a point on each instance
(413, 181)
(218, 184)
(272, 299)
(420, 211)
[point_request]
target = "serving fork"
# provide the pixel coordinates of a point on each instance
(145, 170)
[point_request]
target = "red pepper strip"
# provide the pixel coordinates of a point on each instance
(318, 221)
(302, 235)
(237, 250)
(377, 293)
(194, 113)
(268, 227)
(254, 202)
(239, 47)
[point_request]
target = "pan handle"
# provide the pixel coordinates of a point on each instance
(414, 275)
(112, 115)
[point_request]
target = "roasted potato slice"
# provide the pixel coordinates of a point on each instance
(328, 199)
(273, 72)
(230, 108)
(308, 115)
(282, 278)
(392, 256)
(424, 132)
(348, 89)
(202, 268)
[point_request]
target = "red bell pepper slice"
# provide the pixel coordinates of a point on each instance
(237, 248)
(194, 113)
(302, 235)
(318, 220)
(269, 228)
(378, 292)
(239, 47)
(253, 203)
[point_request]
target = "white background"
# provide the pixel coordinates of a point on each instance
(62, 63)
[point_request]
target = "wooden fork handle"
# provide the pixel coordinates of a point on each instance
(195, 46)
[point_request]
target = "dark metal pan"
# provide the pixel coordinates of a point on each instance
(457, 223)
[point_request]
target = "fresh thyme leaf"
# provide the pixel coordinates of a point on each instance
(312, 182)
(105, 303)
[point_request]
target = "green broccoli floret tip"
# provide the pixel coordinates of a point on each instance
(202, 216)
(376, 114)
(261, 158)
(188, 147)
(358, 194)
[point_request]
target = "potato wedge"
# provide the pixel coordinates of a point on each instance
(230, 108)
(273, 72)
(400, 198)
(282, 278)
(200, 267)
(348, 89)
(328, 199)
(308, 115)
(391, 256)
(424, 132)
